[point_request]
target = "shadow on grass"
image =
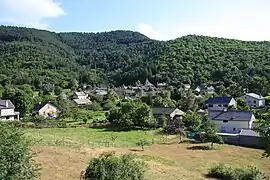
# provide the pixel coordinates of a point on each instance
(204, 148)
(114, 127)
(190, 141)
(136, 150)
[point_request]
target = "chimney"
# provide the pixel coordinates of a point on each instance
(6, 103)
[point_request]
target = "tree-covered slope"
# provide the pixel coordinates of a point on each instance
(121, 57)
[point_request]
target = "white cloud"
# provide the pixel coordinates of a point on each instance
(30, 13)
(241, 19)
(148, 30)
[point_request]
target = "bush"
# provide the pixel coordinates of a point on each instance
(110, 167)
(94, 106)
(15, 158)
(108, 105)
(223, 171)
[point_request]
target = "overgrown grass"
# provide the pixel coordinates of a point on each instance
(90, 137)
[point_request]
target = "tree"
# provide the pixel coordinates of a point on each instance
(58, 90)
(264, 130)
(16, 160)
(192, 121)
(132, 114)
(210, 134)
(74, 84)
(108, 166)
(180, 131)
(64, 107)
(108, 105)
(242, 104)
(111, 95)
(142, 143)
(163, 121)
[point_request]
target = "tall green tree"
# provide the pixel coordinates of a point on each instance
(264, 130)
(16, 160)
(210, 134)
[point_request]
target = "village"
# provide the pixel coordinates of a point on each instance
(235, 126)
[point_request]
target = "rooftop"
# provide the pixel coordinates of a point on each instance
(164, 110)
(40, 105)
(79, 93)
(6, 104)
(256, 96)
(230, 115)
(249, 132)
(82, 101)
(218, 100)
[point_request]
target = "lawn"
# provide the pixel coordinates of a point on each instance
(90, 137)
(170, 162)
(64, 152)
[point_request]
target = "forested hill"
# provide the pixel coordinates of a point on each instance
(30, 56)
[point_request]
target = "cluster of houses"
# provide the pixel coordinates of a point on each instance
(221, 110)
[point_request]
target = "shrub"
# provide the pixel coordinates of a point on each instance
(95, 106)
(108, 105)
(223, 171)
(110, 167)
(142, 143)
(15, 158)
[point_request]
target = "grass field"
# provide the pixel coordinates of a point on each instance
(170, 162)
(90, 137)
(64, 153)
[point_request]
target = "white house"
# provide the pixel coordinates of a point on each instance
(7, 111)
(80, 98)
(79, 95)
(46, 109)
(220, 103)
(254, 100)
(232, 121)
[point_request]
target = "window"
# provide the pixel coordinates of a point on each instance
(210, 105)
(225, 105)
(254, 102)
(225, 121)
(7, 117)
(219, 105)
(234, 129)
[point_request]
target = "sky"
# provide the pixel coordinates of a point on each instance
(157, 19)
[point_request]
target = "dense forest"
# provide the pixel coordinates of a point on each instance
(37, 57)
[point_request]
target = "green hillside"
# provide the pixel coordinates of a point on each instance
(30, 56)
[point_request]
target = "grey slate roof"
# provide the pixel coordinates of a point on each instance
(82, 101)
(256, 96)
(9, 104)
(218, 100)
(230, 115)
(249, 132)
(79, 93)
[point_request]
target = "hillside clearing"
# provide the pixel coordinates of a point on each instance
(165, 161)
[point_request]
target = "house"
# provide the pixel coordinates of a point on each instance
(208, 89)
(220, 103)
(46, 109)
(79, 95)
(254, 100)
(161, 85)
(80, 98)
(7, 111)
(170, 113)
(81, 102)
(231, 121)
